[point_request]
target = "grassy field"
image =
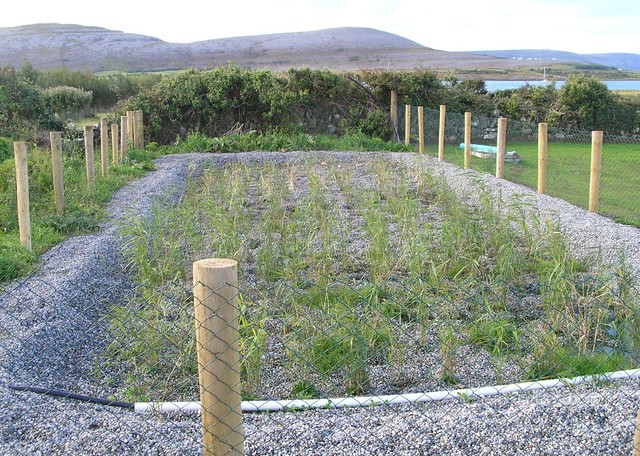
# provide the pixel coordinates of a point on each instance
(632, 96)
(568, 171)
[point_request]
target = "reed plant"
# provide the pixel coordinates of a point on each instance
(355, 256)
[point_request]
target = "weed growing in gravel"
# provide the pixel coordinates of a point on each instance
(497, 334)
(339, 331)
(448, 343)
(367, 266)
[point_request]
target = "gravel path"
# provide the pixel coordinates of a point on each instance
(51, 327)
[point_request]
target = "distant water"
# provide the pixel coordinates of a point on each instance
(492, 86)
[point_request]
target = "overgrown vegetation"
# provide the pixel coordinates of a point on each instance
(213, 102)
(84, 207)
(106, 90)
(356, 272)
(307, 101)
(582, 102)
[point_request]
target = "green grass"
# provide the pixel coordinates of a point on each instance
(568, 174)
(84, 206)
(336, 311)
(632, 96)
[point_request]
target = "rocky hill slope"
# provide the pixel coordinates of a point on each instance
(79, 47)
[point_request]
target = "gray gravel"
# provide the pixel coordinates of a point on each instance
(52, 326)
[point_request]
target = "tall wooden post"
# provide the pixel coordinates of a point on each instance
(596, 162)
(636, 437)
(443, 113)
(407, 124)
(217, 345)
(394, 115)
(115, 158)
(55, 138)
(88, 155)
(22, 193)
(467, 140)
(138, 130)
(123, 137)
(502, 145)
(104, 147)
(130, 127)
(542, 157)
(421, 129)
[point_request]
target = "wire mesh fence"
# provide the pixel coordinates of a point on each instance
(568, 160)
(373, 314)
(400, 367)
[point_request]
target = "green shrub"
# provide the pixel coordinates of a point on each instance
(67, 100)
(23, 106)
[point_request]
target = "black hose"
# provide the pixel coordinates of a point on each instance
(80, 397)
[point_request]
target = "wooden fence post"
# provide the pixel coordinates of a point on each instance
(542, 157)
(596, 162)
(138, 130)
(123, 137)
(104, 147)
(421, 129)
(130, 127)
(443, 113)
(88, 154)
(407, 124)
(467, 140)
(217, 345)
(636, 437)
(22, 193)
(502, 145)
(114, 144)
(56, 165)
(394, 115)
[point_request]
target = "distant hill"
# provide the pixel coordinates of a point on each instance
(79, 47)
(629, 62)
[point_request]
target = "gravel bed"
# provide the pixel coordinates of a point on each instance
(52, 327)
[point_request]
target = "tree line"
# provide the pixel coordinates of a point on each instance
(216, 101)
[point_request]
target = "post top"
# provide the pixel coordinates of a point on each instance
(216, 263)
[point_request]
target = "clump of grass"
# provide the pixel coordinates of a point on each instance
(448, 343)
(252, 331)
(497, 334)
(566, 362)
(338, 330)
(154, 345)
(304, 389)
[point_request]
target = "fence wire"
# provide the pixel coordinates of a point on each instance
(435, 367)
(568, 159)
(373, 314)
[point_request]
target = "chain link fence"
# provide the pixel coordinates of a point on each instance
(332, 368)
(568, 159)
(372, 314)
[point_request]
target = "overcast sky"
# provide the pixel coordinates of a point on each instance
(583, 26)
